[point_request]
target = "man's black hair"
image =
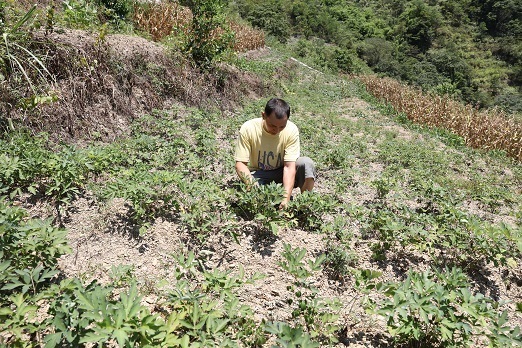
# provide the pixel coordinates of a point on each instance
(279, 107)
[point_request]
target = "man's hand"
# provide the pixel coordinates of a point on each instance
(244, 174)
(283, 204)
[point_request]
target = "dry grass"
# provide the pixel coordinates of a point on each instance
(247, 38)
(161, 19)
(485, 129)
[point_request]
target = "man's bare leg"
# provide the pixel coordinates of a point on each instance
(308, 185)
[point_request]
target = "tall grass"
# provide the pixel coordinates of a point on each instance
(485, 129)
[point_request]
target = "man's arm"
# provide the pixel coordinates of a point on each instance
(288, 182)
(244, 174)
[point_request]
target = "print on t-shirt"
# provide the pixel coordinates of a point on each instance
(267, 161)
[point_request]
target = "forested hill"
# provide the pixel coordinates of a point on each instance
(469, 49)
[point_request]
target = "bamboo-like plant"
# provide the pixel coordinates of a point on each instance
(15, 57)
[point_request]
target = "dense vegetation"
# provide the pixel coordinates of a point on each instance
(470, 50)
(422, 232)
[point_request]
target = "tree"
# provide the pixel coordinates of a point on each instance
(419, 24)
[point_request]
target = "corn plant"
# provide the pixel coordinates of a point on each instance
(490, 130)
(163, 18)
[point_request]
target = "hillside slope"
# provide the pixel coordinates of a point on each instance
(390, 197)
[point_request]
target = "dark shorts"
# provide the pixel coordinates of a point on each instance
(305, 169)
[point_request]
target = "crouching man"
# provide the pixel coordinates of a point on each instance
(268, 150)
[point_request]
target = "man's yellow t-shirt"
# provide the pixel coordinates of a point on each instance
(265, 151)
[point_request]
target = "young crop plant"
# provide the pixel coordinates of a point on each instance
(308, 209)
(205, 310)
(28, 243)
(437, 308)
(338, 260)
(29, 252)
(290, 337)
(317, 315)
(81, 316)
(22, 163)
(150, 193)
(65, 173)
(260, 203)
(211, 215)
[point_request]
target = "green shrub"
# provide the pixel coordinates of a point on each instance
(80, 14)
(117, 9)
(209, 38)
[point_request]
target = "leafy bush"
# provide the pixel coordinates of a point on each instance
(209, 37)
(79, 14)
(117, 9)
(437, 308)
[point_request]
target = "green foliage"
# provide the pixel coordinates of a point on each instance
(17, 61)
(338, 261)
(396, 40)
(79, 14)
(28, 244)
(420, 22)
(439, 309)
(318, 314)
(208, 311)
(66, 173)
(209, 38)
(150, 194)
(261, 204)
(268, 15)
(117, 9)
(290, 337)
(29, 252)
(446, 234)
(309, 208)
